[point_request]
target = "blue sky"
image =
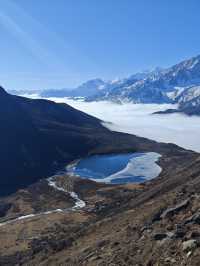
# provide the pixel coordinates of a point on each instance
(56, 44)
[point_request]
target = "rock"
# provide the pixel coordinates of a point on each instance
(159, 236)
(96, 257)
(157, 216)
(179, 231)
(162, 236)
(102, 243)
(195, 219)
(169, 227)
(171, 234)
(115, 244)
(189, 245)
(91, 255)
(146, 228)
(171, 260)
(142, 237)
(171, 211)
(195, 234)
(130, 229)
(150, 263)
(189, 254)
(4, 207)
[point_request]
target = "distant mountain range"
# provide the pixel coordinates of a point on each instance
(87, 89)
(177, 84)
(91, 88)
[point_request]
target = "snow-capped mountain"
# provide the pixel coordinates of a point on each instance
(188, 102)
(162, 86)
(87, 89)
(136, 88)
(188, 94)
(177, 84)
(186, 73)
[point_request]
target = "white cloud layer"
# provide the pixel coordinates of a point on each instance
(137, 119)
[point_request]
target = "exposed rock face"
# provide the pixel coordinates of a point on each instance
(189, 102)
(171, 211)
(159, 236)
(37, 136)
(120, 225)
(189, 245)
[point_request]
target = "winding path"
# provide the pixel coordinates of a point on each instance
(52, 182)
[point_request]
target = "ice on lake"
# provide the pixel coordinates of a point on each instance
(118, 168)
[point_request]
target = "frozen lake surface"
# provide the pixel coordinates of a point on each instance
(118, 168)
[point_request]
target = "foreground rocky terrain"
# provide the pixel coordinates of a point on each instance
(155, 223)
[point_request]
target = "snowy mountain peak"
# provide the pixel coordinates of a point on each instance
(156, 86)
(191, 63)
(179, 83)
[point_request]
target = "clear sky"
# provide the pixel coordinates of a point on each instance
(56, 44)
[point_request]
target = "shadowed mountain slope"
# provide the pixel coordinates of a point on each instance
(39, 137)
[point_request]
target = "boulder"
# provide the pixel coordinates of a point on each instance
(179, 231)
(194, 219)
(195, 234)
(157, 216)
(174, 210)
(170, 260)
(159, 236)
(189, 245)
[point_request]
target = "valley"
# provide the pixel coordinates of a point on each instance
(99, 133)
(68, 220)
(137, 119)
(113, 224)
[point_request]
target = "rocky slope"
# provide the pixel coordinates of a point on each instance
(39, 136)
(155, 223)
(188, 102)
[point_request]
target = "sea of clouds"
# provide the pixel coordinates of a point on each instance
(138, 119)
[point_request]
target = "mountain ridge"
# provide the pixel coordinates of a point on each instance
(179, 84)
(184, 74)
